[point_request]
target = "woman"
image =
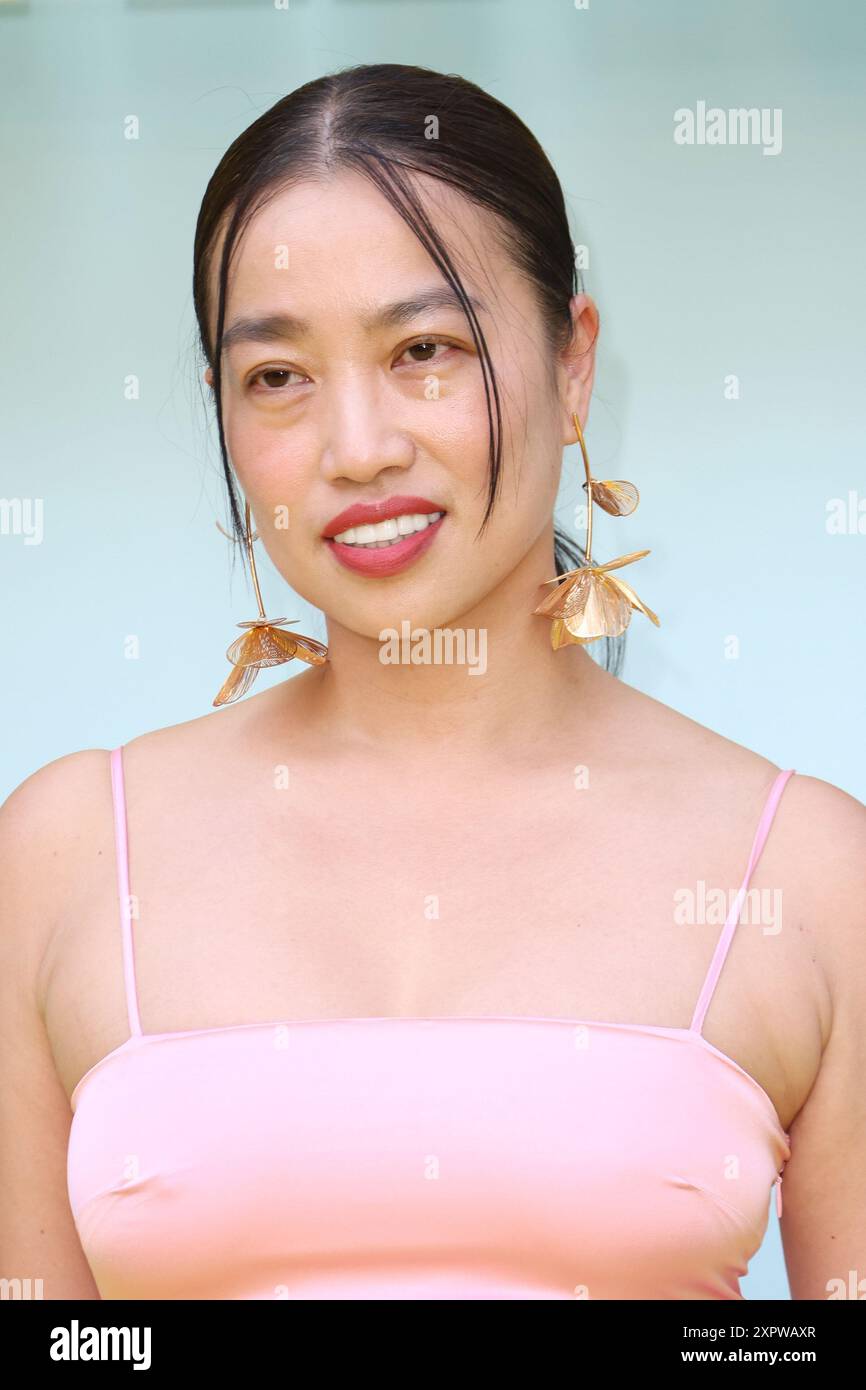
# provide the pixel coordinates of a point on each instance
(396, 979)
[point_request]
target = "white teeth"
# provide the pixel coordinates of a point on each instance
(388, 532)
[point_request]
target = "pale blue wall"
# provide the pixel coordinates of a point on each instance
(704, 261)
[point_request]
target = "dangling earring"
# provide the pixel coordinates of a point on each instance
(264, 644)
(590, 602)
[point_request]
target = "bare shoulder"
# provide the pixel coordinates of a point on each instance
(816, 819)
(58, 821)
(820, 843)
(42, 821)
(56, 809)
(662, 741)
(825, 848)
(52, 790)
(817, 848)
(213, 743)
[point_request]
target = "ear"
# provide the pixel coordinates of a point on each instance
(208, 376)
(577, 363)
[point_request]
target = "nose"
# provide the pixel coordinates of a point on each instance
(362, 437)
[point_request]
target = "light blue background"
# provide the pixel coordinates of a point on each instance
(704, 261)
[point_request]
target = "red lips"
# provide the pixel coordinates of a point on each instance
(383, 561)
(369, 513)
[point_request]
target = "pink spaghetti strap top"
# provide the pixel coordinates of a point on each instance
(456, 1158)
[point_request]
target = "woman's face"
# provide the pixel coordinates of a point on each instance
(345, 402)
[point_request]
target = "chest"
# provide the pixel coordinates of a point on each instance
(426, 898)
(418, 897)
(410, 1158)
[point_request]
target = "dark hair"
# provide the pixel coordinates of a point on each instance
(375, 119)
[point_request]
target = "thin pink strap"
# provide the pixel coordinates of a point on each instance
(118, 795)
(733, 917)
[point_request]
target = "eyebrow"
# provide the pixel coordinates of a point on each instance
(273, 328)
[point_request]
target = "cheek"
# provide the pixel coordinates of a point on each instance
(269, 462)
(528, 490)
(516, 524)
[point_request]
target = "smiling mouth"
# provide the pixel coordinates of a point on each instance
(382, 535)
(392, 547)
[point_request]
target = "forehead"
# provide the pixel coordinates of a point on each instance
(339, 244)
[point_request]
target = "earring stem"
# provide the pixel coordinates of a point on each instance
(588, 488)
(249, 543)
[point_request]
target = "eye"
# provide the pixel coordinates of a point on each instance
(424, 345)
(271, 389)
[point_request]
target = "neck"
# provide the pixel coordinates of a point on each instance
(487, 681)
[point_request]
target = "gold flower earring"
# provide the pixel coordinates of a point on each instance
(264, 644)
(590, 602)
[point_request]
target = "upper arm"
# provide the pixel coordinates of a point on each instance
(38, 1239)
(823, 1221)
